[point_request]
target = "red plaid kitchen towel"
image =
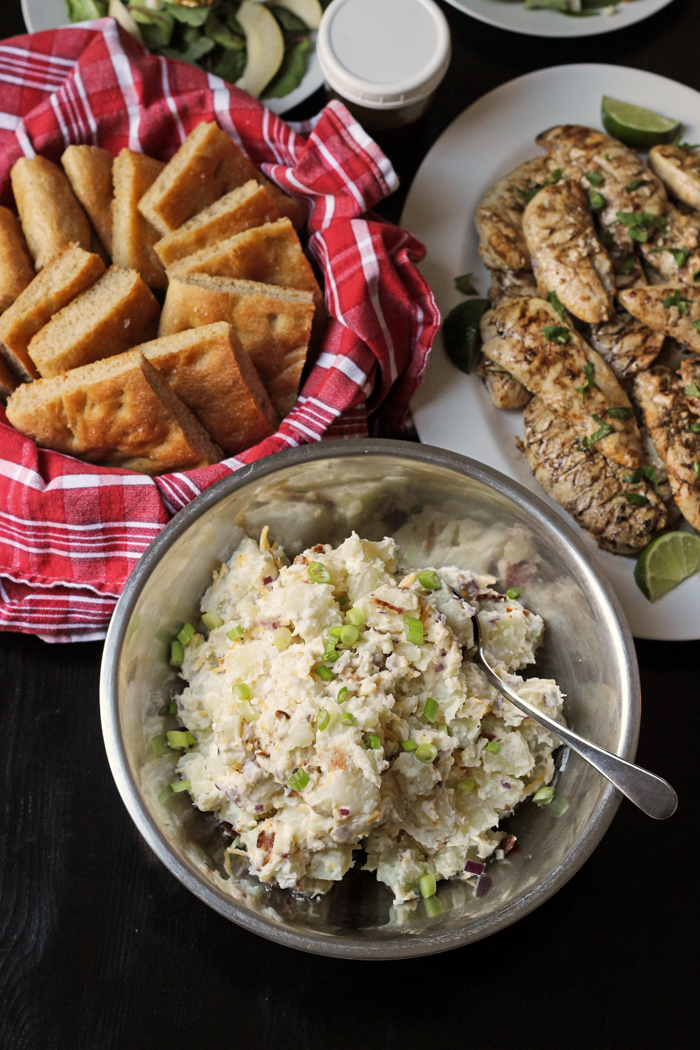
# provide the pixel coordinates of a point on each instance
(71, 533)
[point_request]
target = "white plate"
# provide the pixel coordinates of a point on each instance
(453, 410)
(510, 14)
(50, 14)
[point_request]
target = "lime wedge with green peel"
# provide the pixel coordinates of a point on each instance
(666, 562)
(462, 335)
(635, 126)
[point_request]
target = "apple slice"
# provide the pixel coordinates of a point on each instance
(309, 11)
(264, 44)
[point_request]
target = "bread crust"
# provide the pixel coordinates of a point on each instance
(49, 211)
(118, 412)
(133, 237)
(89, 171)
(16, 270)
(210, 373)
(115, 314)
(62, 280)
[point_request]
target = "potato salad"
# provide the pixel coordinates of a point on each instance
(332, 706)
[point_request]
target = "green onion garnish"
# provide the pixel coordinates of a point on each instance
(282, 638)
(544, 796)
(322, 719)
(409, 745)
(350, 634)
(427, 885)
(635, 184)
(513, 592)
(181, 785)
(335, 631)
(159, 744)
(179, 739)
(186, 633)
(430, 710)
(432, 906)
(555, 333)
(594, 177)
(168, 709)
(342, 600)
(559, 806)
(494, 746)
(331, 654)
(342, 695)
(212, 620)
(318, 572)
(635, 499)
(234, 633)
(347, 719)
(692, 390)
(556, 302)
(248, 712)
(177, 653)
(696, 468)
(165, 794)
(645, 471)
(324, 672)
(442, 727)
(242, 691)
(372, 742)
(413, 629)
(596, 201)
(466, 784)
(429, 579)
(426, 752)
(355, 616)
(298, 780)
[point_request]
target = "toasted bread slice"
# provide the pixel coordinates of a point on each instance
(89, 171)
(273, 325)
(207, 165)
(49, 211)
(58, 283)
(249, 205)
(16, 270)
(8, 383)
(119, 412)
(133, 236)
(207, 369)
(115, 314)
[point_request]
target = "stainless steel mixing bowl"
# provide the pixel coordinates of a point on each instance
(320, 493)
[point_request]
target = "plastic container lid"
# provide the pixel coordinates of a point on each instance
(383, 54)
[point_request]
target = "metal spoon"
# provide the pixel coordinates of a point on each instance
(653, 795)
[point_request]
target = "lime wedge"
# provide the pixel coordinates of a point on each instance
(666, 562)
(635, 126)
(461, 334)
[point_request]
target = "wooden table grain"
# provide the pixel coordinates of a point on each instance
(102, 949)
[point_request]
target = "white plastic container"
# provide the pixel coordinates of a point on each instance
(383, 58)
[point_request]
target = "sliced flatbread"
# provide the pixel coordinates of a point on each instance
(16, 270)
(62, 280)
(273, 325)
(210, 373)
(49, 211)
(133, 236)
(119, 412)
(89, 171)
(249, 205)
(115, 314)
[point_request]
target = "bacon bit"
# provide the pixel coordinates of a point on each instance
(319, 549)
(508, 843)
(387, 605)
(337, 762)
(266, 840)
(267, 579)
(264, 754)
(281, 714)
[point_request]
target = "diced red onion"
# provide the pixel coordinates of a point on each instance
(505, 784)
(259, 808)
(474, 867)
(439, 667)
(483, 885)
(344, 812)
(268, 579)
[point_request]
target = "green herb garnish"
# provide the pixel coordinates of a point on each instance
(429, 579)
(595, 178)
(514, 593)
(465, 284)
(298, 780)
(676, 299)
(620, 412)
(692, 390)
(694, 428)
(556, 302)
(626, 265)
(556, 334)
(639, 223)
(590, 383)
(493, 747)
(603, 430)
(635, 184)
(635, 499)
(430, 711)
(646, 471)
(596, 201)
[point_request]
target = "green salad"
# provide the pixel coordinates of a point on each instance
(576, 8)
(262, 47)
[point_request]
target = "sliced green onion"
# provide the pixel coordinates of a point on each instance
(442, 727)
(237, 843)
(413, 629)
(426, 752)
(241, 690)
(298, 780)
(342, 600)
(318, 572)
(283, 637)
(331, 654)
(427, 885)
(433, 907)
(544, 796)
(355, 616)
(372, 742)
(235, 632)
(335, 632)
(212, 620)
(168, 709)
(430, 710)
(466, 784)
(181, 785)
(409, 745)
(559, 806)
(180, 739)
(347, 719)
(513, 593)
(186, 633)
(494, 746)
(248, 712)
(429, 579)
(324, 672)
(350, 634)
(322, 720)
(165, 794)
(159, 744)
(177, 653)
(342, 695)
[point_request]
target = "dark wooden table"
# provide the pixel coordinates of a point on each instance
(102, 948)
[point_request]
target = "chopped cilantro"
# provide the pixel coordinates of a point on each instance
(465, 283)
(603, 430)
(696, 326)
(639, 223)
(692, 390)
(555, 301)
(635, 498)
(680, 255)
(596, 200)
(626, 265)
(590, 383)
(694, 428)
(676, 299)
(696, 468)
(620, 412)
(646, 471)
(594, 177)
(556, 334)
(635, 184)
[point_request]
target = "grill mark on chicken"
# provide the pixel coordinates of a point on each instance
(626, 343)
(682, 230)
(499, 217)
(504, 390)
(690, 373)
(679, 170)
(647, 304)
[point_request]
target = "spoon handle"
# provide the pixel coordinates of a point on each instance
(653, 795)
